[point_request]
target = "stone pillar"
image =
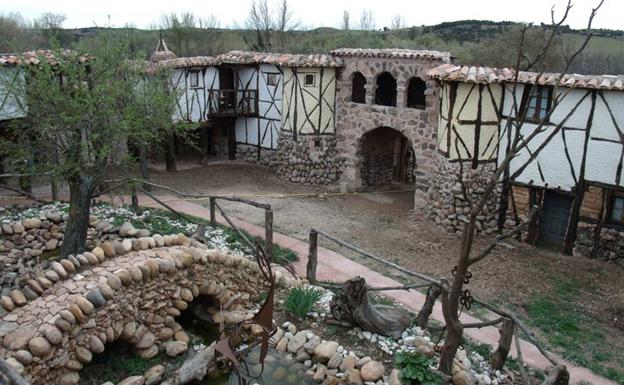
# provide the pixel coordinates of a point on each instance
(370, 91)
(401, 101)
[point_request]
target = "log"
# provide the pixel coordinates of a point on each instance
(312, 258)
(433, 292)
(268, 233)
(352, 305)
(557, 375)
(499, 357)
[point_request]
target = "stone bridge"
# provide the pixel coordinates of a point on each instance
(120, 294)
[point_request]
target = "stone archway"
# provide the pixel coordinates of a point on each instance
(385, 157)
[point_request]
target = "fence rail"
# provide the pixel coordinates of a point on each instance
(510, 323)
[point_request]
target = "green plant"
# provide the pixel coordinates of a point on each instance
(300, 300)
(416, 369)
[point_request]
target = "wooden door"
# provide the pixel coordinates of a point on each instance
(555, 216)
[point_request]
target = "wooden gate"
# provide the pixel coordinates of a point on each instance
(555, 216)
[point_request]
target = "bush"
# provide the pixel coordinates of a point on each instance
(415, 369)
(301, 300)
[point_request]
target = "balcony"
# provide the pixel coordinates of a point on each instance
(232, 103)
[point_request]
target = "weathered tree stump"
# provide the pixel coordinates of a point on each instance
(557, 375)
(352, 305)
(433, 292)
(497, 361)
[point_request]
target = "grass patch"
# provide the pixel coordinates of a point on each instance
(565, 328)
(380, 299)
(281, 255)
(301, 300)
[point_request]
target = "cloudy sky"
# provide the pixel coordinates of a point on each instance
(315, 13)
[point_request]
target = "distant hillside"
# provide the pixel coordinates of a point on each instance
(471, 41)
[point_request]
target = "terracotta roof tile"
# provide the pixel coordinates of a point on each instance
(473, 74)
(393, 53)
(280, 59)
(33, 57)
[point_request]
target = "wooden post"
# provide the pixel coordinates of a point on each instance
(135, 200)
(504, 344)
(54, 188)
(312, 257)
(170, 153)
(213, 214)
(433, 292)
(268, 233)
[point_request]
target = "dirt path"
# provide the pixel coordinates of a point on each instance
(577, 302)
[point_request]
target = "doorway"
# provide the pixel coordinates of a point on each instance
(555, 216)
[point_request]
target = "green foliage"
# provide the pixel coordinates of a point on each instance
(485, 350)
(416, 369)
(301, 300)
(281, 255)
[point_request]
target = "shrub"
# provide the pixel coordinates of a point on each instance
(415, 369)
(300, 300)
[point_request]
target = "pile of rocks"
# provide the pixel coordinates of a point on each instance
(377, 169)
(447, 204)
(310, 160)
(255, 155)
(610, 247)
(327, 361)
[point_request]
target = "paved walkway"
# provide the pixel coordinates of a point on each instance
(335, 267)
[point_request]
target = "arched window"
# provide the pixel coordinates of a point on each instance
(386, 93)
(416, 93)
(358, 94)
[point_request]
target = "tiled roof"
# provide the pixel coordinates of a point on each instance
(473, 74)
(280, 59)
(184, 62)
(393, 53)
(33, 57)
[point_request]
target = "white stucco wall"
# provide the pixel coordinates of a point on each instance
(192, 102)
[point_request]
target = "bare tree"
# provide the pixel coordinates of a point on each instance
(367, 20)
(453, 296)
(345, 26)
(15, 33)
(261, 21)
(210, 22)
(397, 22)
(284, 22)
(50, 27)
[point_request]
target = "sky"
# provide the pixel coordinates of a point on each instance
(318, 13)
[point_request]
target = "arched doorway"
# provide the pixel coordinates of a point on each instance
(386, 157)
(416, 94)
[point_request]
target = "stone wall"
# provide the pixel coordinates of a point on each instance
(609, 247)
(446, 203)
(377, 169)
(353, 120)
(134, 297)
(310, 160)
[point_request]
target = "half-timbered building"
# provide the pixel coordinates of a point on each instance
(572, 170)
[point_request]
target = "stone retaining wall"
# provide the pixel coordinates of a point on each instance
(446, 203)
(610, 243)
(134, 297)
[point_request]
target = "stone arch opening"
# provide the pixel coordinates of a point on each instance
(358, 92)
(386, 92)
(386, 157)
(416, 93)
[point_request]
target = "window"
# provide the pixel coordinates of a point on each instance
(386, 94)
(194, 79)
(617, 210)
(416, 93)
(272, 79)
(538, 102)
(309, 80)
(358, 93)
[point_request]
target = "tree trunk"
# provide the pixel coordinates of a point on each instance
(170, 154)
(499, 357)
(433, 292)
(80, 193)
(352, 305)
(203, 144)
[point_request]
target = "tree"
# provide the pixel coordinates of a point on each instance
(14, 32)
(367, 20)
(50, 27)
(267, 23)
(397, 22)
(453, 296)
(81, 112)
(345, 25)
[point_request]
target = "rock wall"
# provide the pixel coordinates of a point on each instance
(353, 120)
(310, 160)
(610, 245)
(133, 297)
(377, 169)
(446, 203)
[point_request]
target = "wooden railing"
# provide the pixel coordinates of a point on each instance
(232, 102)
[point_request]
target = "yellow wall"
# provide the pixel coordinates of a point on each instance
(309, 109)
(464, 121)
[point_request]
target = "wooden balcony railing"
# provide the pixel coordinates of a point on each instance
(232, 103)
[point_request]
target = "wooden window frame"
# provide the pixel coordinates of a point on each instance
(269, 76)
(305, 80)
(539, 113)
(611, 197)
(193, 73)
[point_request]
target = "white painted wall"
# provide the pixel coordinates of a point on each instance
(552, 168)
(192, 103)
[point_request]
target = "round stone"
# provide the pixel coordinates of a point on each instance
(106, 290)
(60, 270)
(145, 271)
(94, 259)
(71, 378)
(96, 298)
(85, 306)
(154, 375)
(372, 371)
(124, 276)
(76, 312)
(68, 265)
(7, 303)
(150, 352)
(114, 282)
(175, 348)
(83, 355)
(109, 250)
(24, 356)
(128, 330)
(96, 344)
(137, 275)
(165, 334)
(39, 347)
(18, 297)
(53, 334)
(62, 324)
(68, 316)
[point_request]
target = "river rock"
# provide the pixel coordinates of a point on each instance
(85, 305)
(146, 341)
(53, 334)
(175, 348)
(325, 350)
(96, 345)
(127, 230)
(394, 378)
(96, 298)
(71, 378)
(154, 375)
(18, 297)
(372, 371)
(463, 377)
(133, 380)
(39, 346)
(83, 355)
